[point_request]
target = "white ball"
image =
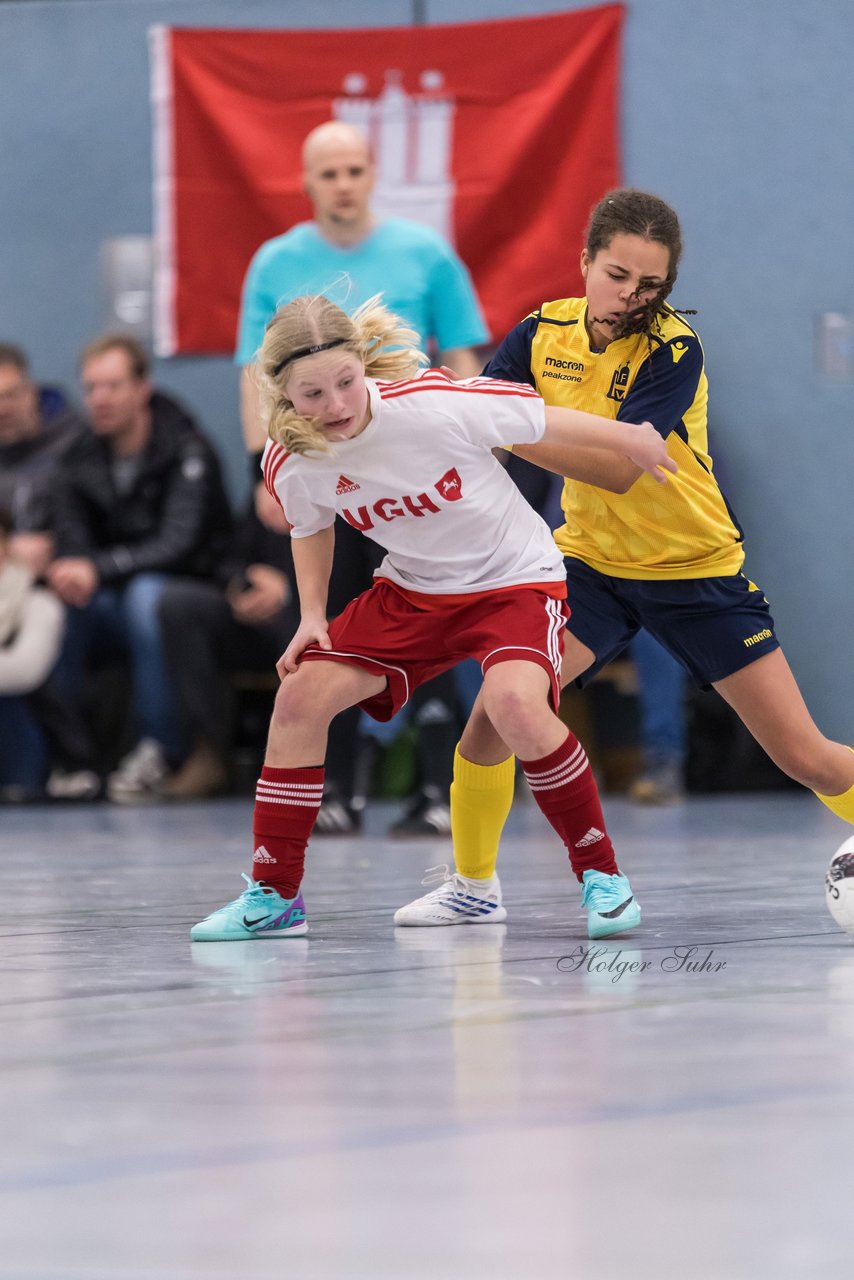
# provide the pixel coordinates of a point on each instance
(839, 886)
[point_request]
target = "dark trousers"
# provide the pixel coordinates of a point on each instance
(204, 645)
(23, 746)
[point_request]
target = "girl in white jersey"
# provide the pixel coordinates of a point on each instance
(471, 571)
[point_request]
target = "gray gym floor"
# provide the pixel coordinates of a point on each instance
(482, 1102)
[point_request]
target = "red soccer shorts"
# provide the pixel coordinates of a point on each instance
(411, 637)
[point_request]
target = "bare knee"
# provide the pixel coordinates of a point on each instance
(801, 770)
(766, 697)
(480, 740)
(517, 715)
(805, 755)
(303, 699)
(815, 764)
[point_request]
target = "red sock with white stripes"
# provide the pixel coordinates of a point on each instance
(563, 785)
(286, 805)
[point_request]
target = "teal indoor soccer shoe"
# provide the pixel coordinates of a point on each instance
(610, 904)
(259, 912)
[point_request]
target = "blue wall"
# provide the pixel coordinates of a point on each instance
(741, 115)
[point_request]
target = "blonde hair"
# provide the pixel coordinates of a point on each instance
(385, 345)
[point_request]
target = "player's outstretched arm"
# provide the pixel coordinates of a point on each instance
(592, 466)
(313, 566)
(572, 430)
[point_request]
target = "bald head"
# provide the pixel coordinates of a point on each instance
(331, 137)
(338, 176)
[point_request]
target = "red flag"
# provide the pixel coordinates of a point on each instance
(501, 135)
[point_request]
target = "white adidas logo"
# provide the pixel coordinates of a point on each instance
(261, 855)
(591, 837)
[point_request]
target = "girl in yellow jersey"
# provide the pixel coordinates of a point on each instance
(664, 557)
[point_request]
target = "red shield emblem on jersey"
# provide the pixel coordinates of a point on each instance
(450, 487)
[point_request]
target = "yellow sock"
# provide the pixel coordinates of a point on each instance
(481, 796)
(842, 806)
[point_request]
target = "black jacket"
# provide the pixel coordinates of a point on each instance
(29, 467)
(253, 543)
(176, 518)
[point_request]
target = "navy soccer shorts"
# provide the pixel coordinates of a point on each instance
(713, 626)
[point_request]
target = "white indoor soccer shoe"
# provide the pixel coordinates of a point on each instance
(455, 900)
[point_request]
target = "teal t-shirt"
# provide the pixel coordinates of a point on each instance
(419, 275)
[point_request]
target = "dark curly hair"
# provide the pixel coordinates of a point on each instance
(627, 211)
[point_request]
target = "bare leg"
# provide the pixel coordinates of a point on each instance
(767, 699)
(480, 742)
(509, 715)
(515, 700)
(287, 801)
(307, 701)
(515, 697)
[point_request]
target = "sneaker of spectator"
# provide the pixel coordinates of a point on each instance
(427, 815)
(140, 775)
(336, 817)
(73, 784)
(661, 783)
(204, 773)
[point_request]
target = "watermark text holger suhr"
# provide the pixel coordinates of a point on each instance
(617, 964)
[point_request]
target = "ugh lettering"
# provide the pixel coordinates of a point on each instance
(363, 518)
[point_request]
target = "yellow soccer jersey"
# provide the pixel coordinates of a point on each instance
(681, 529)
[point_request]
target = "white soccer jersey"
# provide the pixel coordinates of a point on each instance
(422, 482)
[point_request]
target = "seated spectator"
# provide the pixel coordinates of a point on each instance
(31, 624)
(141, 502)
(36, 428)
(243, 621)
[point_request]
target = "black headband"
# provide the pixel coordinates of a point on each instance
(307, 351)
